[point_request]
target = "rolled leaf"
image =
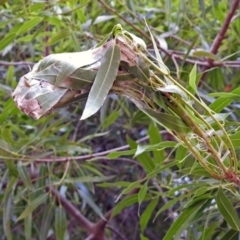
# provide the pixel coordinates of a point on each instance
(103, 82)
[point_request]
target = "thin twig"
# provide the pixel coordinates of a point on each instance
(71, 209)
(7, 64)
(220, 36)
(171, 214)
(120, 236)
(94, 155)
(76, 130)
(47, 29)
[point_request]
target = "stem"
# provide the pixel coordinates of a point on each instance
(209, 111)
(195, 127)
(198, 157)
(233, 153)
(71, 209)
(184, 115)
(220, 36)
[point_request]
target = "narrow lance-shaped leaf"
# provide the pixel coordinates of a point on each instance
(231, 235)
(144, 158)
(103, 81)
(193, 78)
(60, 223)
(183, 221)
(227, 210)
(89, 200)
(33, 205)
(141, 195)
(161, 64)
(154, 138)
(168, 121)
(24, 176)
(9, 38)
(46, 221)
(154, 147)
(27, 25)
(7, 207)
(206, 54)
(147, 214)
(126, 202)
(222, 102)
(28, 227)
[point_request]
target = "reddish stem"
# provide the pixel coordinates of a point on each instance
(220, 36)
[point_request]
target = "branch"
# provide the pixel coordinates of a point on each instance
(95, 231)
(94, 155)
(220, 36)
(72, 210)
(6, 64)
(116, 232)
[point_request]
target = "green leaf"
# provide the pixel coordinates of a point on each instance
(159, 168)
(110, 119)
(155, 138)
(205, 54)
(147, 214)
(7, 40)
(193, 78)
(114, 155)
(7, 207)
(89, 200)
(227, 210)
(235, 139)
(231, 235)
(140, 117)
(220, 103)
(130, 187)
(103, 82)
(27, 25)
(182, 222)
(168, 121)
(121, 184)
(6, 150)
(24, 175)
(7, 135)
(58, 36)
(144, 158)
(46, 221)
(208, 232)
(156, 147)
(28, 227)
(142, 194)
(233, 96)
(143, 237)
(168, 205)
(139, 70)
(161, 64)
(202, 7)
(181, 153)
(126, 202)
(33, 205)
(12, 168)
(88, 178)
(60, 223)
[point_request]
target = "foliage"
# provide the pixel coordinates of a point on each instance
(119, 163)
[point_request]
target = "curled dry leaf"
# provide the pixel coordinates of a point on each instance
(61, 79)
(57, 80)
